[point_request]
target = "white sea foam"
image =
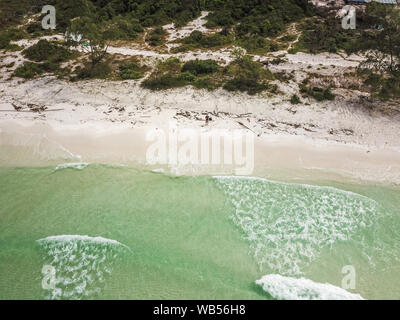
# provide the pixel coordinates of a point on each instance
(82, 264)
(288, 288)
(83, 165)
(288, 225)
(72, 165)
(66, 238)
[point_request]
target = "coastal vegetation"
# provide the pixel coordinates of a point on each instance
(243, 74)
(44, 57)
(260, 27)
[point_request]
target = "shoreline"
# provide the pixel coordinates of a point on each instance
(276, 156)
(107, 121)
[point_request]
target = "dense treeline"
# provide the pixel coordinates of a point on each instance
(248, 22)
(255, 17)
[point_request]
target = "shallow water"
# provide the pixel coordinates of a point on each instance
(168, 237)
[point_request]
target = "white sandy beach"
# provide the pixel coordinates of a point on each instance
(107, 122)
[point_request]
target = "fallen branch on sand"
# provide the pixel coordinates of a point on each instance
(243, 125)
(32, 110)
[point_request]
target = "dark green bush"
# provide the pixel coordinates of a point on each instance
(249, 85)
(6, 36)
(47, 51)
(130, 71)
(29, 70)
(244, 74)
(257, 18)
(157, 36)
(381, 87)
(295, 99)
(205, 83)
(4, 40)
(198, 40)
(123, 28)
(317, 93)
(167, 81)
(101, 70)
(200, 67)
(327, 35)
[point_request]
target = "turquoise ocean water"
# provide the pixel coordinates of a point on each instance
(123, 233)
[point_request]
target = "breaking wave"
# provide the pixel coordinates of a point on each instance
(82, 264)
(287, 225)
(287, 288)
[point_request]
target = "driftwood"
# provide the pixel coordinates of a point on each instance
(32, 110)
(17, 108)
(244, 126)
(33, 107)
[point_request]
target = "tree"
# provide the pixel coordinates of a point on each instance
(386, 38)
(88, 35)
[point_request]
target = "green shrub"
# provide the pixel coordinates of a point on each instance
(123, 28)
(130, 71)
(259, 45)
(28, 70)
(172, 65)
(13, 47)
(317, 93)
(251, 86)
(288, 38)
(6, 36)
(327, 35)
(200, 67)
(4, 40)
(101, 70)
(295, 99)
(244, 74)
(47, 51)
(157, 36)
(384, 88)
(198, 40)
(205, 83)
(186, 77)
(166, 81)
